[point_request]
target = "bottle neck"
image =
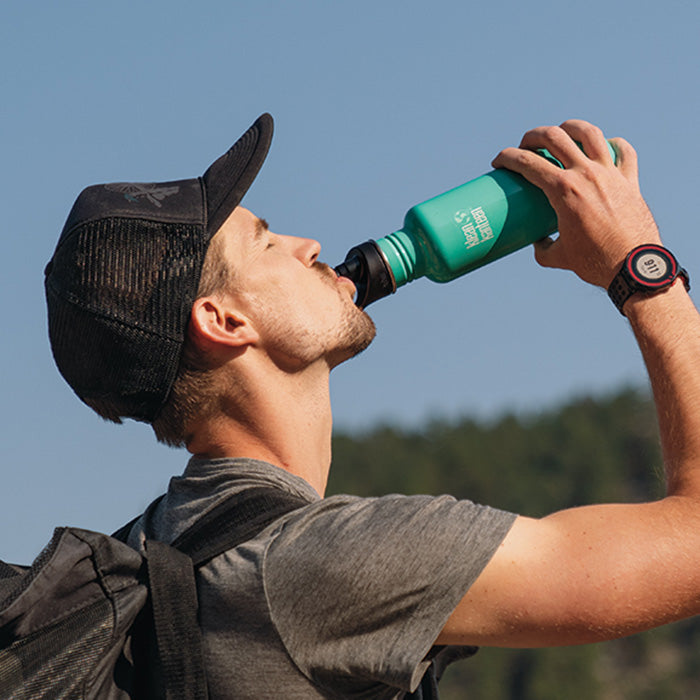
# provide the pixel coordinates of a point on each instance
(378, 268)
(401, 256)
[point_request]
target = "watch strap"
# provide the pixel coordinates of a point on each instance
(619, 291)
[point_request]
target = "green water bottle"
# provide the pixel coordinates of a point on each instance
(454, 233)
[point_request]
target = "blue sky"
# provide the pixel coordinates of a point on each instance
(378, 106)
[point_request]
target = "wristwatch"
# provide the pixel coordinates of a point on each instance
(647, 268)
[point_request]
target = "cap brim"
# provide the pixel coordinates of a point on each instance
(227, 179)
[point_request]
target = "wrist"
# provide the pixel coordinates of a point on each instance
(640, 306)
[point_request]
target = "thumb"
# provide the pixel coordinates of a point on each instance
(547, 252)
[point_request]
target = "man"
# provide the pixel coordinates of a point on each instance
(172, 304)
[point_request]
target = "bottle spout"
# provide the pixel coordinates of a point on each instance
(369, 270)
(350, 268)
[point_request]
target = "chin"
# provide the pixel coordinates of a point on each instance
(357, 335)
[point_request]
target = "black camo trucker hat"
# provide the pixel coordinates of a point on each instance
(124, 275)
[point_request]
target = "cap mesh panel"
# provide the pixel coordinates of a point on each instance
(120, 293)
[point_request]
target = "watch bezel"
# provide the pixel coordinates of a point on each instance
(651, 283)
(628, 281)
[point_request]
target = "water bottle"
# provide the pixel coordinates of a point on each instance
(454, 233)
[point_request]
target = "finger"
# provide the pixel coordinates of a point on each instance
(533, 167)
(626, 158)
(547, 252)
(591, 138)
(557, 142)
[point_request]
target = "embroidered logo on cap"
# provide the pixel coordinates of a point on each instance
(132, 191)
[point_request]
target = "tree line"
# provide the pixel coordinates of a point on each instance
(588, 450)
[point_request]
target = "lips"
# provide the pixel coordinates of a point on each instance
(328, 273)
(349, 283)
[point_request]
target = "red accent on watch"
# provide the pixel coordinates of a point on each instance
(660, 266)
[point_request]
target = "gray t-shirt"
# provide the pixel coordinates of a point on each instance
(340, 599)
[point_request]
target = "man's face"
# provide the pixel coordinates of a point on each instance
(303, 311)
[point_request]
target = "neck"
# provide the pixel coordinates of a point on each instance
(281, 418)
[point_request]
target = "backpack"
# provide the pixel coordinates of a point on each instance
(94, 618)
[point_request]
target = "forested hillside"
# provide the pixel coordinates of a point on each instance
(589, 450)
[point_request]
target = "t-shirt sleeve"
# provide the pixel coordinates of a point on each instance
(359, 589)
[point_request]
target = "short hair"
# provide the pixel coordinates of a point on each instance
(192, 394)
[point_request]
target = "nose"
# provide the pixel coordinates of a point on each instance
(306, 249)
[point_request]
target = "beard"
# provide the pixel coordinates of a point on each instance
(350, 335)
(356, 330)
(355, 335)
(296, 338)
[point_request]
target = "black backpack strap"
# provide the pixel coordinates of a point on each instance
(235, 520)
(180, 674)
(173, 588)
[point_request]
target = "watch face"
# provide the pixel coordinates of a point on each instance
(652, 266)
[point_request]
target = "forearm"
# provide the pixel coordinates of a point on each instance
(667, 328)
(603, 571)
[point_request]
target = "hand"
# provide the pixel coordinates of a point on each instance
(600, 210)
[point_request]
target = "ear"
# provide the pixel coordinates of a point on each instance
(213, 322)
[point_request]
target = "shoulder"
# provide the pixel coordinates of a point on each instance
(371, 581)
(350, 522)
(374, 549)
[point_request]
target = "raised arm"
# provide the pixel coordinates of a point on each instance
(603, 571)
